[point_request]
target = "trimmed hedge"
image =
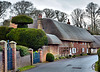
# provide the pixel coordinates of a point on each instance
(4, 31)
(98, 63)
(1, 49)
(49, 57)
(22, 21)
(32, 38)
(23, 50)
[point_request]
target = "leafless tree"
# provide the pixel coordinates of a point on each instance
(93, 11)
(78, 18)
(22, 7)
(34, 14)
(61, 16)
(4, 5)
(49, 13)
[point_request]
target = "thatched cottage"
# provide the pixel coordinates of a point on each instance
(65, 39)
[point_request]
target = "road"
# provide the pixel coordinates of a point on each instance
(78, 64)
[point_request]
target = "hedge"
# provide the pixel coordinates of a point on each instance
(4, 31)
(23, 50)
(32, 38)
(49, 57)
(22, 21)
(1, 49)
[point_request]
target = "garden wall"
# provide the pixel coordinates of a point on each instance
(22, 61)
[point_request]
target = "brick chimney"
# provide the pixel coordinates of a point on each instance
(68, 22)
(39, 21)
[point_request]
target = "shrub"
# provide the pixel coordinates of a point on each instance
(81, 54)
(98, 52)
(1, 49)
(32, 38)
(4, 31)
(23, 50)
(22, 21)
(49, 57)
(70, 56)
(74, 56)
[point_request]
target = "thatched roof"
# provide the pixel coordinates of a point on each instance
(97, 37)
(96, 42)
(52, 39)
(65, 31)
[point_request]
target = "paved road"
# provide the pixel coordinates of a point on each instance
(79, 64)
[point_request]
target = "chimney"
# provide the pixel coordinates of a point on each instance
(39, 21)
(89, 28)
(68, 22)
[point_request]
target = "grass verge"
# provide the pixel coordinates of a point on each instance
(26, 68)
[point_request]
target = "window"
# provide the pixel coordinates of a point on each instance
(82, 49)
(73, 50)
(87, 50)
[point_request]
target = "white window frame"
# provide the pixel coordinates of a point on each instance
(73, 50)
(83, 49)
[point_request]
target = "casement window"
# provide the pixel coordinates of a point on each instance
(82, 49)
(87, 50)
(73, 50)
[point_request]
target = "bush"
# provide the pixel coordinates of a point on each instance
(22, 21)
(1, 49)
(32, 38)
(49, 57)
(81, 54)
(74, 56)
(97, 66)
(23, 50)
(4, 31)
(98, 52)
(70, 56)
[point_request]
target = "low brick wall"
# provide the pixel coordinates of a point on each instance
(22, 61)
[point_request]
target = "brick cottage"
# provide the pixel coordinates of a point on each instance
(65, 39)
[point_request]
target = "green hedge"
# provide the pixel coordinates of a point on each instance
(4, 31)
(32, 38)
(22, 21)
(1, 49)
(23, 50)
(49, 57)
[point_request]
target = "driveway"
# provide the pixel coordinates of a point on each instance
(79, 64)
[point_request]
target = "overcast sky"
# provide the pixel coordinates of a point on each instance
(63, 5)
(66, 6)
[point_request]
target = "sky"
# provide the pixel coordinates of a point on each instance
(66, 6)
(63, 5)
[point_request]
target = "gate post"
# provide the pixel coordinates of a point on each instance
(41, 54)
(3, 44)
(13, 46)
(31, 55)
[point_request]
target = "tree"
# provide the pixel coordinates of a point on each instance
(4, 5)
(6, 23)
(49, 13)
(22, 8)
(61, 16)
(22, 21)
(34, 14)
(78, 18)
(93, 12)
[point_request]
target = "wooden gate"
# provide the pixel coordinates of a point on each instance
(36, 57)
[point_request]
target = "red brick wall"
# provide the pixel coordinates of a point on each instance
(77, 45)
